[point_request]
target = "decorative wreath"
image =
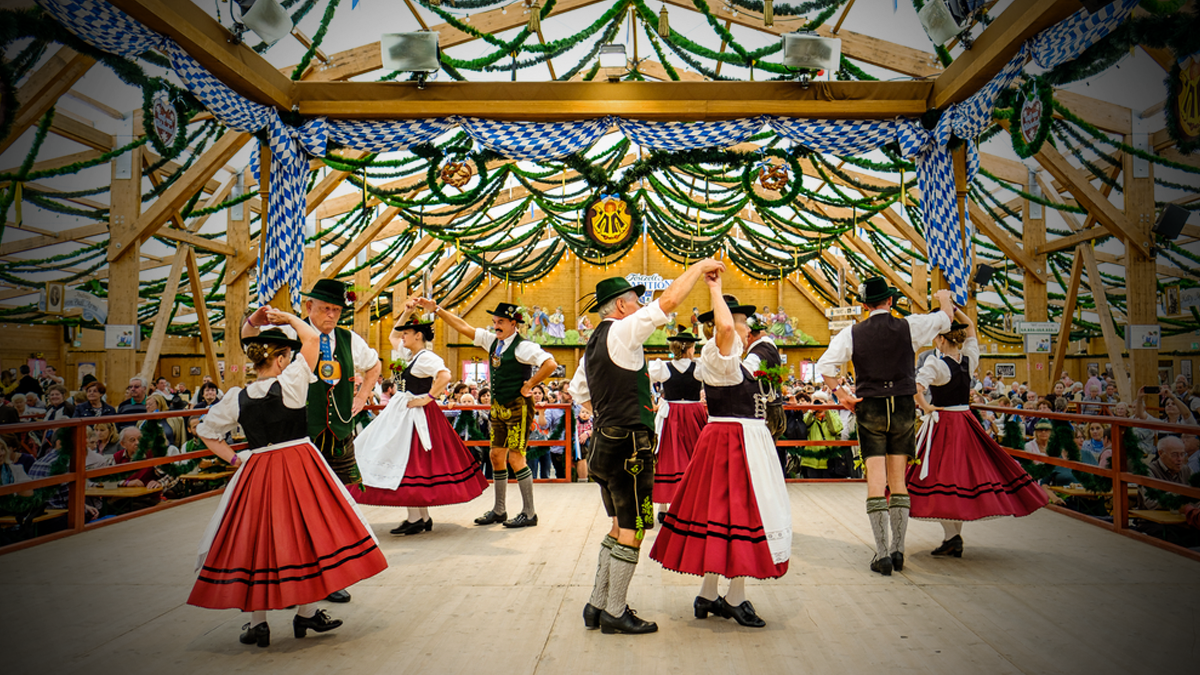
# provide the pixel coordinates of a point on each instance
(1183, 87)
(1036, 92)
(788, 192)
(160, 101)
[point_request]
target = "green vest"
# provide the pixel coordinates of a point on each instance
(510, 375)
(329, 407)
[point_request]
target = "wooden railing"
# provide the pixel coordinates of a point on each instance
(77, 476)
(1116, 472)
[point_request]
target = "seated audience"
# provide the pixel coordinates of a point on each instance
(1170, 465)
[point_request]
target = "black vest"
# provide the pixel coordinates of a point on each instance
(414, 385)
(620, 397)
(958, 390)
(267, 420)
(735, 400)
(682, 386)
(883, 357)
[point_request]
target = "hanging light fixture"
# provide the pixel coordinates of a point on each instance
(267, 18)
(664, 23)
(768, 12)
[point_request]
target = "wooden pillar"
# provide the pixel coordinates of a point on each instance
(1036, 302)
(1140, 271)
(123, 273)
(237, 294)
(362, 314)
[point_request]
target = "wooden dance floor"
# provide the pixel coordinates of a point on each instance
(1044, 594)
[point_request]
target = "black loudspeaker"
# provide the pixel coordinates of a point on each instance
(1170, 221)
(983, 274)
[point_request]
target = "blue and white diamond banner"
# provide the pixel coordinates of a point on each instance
(839, 137)
(535, 141)
(1066, 40)
(675, 136)
(103, 26)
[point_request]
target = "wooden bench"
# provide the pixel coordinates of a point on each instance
(211, 475)
(120, 492)
(1159, 516)
(50, 514)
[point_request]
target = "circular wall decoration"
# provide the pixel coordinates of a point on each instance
(608, 222)
(774, 177)
(1183, 109)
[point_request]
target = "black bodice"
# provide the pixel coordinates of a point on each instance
(958, 390)
(267, 420)
(682, 386)
(735, 400)
(417, 386)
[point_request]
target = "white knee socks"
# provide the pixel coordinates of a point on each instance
(951, 529)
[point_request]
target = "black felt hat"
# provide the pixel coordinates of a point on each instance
(273, 336)
(414, 323)
(507, 310)
(735, 307)
(683, 336)
(875, 290)
(88, 379)
(332, 291)
(954, 325)
(612, 287)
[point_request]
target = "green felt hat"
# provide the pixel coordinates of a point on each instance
(332, 291)
(875, 290)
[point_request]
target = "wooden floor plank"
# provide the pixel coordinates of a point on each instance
(1040, 594)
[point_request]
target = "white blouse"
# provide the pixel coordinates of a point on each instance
(720, 370)
(935, 372)
(427, 363)
(222, 418)
(659, 372)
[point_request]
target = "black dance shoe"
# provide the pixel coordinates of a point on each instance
(952, 546)
(882, 565)
(320, 622)
(662, 516)
(338, 596)
(703, 607)
(743, 613)
(522, 520)
(898, 561)
(626, 623)
(591, 616)
(260, 634)
(414, 527)
(490, 518)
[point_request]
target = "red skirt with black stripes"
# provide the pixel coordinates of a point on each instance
(446, 473)
(970, 476)
(289, 536)
(676, 443)
(713, 524)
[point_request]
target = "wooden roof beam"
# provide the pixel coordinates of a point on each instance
(996, 46)
(43, 89)
(557, 101)
(169, 203)
(207, 41)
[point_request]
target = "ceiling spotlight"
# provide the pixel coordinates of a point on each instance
(808, 51)
(613, 61)
(267, 18)
(944, 20)
(411, 53)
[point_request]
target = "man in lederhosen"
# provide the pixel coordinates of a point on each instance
(613, 383)
(517, 366)
(334, 400)
(883, 350)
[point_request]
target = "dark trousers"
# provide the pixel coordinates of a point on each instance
(339, 454)
(621, 461)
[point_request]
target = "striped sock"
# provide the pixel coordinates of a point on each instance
(500, 486)
(525, 483)
(877, 511)
(600, 590)
(898, 508)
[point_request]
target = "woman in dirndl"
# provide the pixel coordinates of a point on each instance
(286, 531)
(963, 474)
(410, 455)
(681, 415)
(731, 516)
